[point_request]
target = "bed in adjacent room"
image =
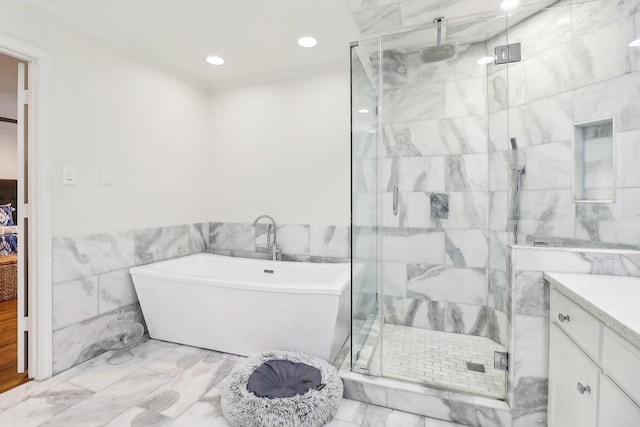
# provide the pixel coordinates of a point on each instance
(8, 239)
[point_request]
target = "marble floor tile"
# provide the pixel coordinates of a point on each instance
(164, 385)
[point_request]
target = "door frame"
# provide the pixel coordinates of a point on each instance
(39, 158)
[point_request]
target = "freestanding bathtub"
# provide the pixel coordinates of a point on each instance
(245, 306)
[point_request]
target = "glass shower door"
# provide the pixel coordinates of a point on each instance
(442, 183)
(364, 218)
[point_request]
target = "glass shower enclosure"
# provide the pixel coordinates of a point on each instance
(430, 190)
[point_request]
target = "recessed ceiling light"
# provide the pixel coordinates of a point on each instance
(486, 60)
(307, 41)
(635, 43)
(215, 60)
(363, 111)
(509, 4)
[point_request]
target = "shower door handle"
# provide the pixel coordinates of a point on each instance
(395, 200)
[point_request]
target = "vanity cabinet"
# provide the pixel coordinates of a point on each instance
(594, 374)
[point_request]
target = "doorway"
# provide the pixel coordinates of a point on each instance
(13, 369)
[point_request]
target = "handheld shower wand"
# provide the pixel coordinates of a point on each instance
(518, 171)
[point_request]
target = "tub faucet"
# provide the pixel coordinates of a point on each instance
(273, 249)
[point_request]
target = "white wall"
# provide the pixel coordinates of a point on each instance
(146, 127)
(282, 149)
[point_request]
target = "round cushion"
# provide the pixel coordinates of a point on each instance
(281, 389)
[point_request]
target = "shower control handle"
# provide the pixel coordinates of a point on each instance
(395, 200)
(563, 317)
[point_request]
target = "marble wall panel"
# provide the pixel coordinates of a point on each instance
(466, 97)
(379, 19)
(498, 91)
(547, 120)
(292, 238)
(498, 211)
(498, 291)
(115, 290)
(498, 250)
(616, 223)
(412, 245)
(549, 166)
(627, 145)
(198, 237)
(466, 210)
(462, 67)
(158, 244)
(557, 24)
(413, 173)
(394, 278)
(329, 241)
(77, 342)
(410, 104)
(74, 301)
(447, 283)
(466, 248)
(499, 169)
(419, 208)
(79, 257)
(238, 236)
(499, 131)
(618, 98)
(467, 172)
(460, 135)
(547, 213)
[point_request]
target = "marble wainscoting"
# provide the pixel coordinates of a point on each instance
(298, 242)
(91, 282)
(529, 303)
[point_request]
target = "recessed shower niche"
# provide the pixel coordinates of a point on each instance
(593, 164)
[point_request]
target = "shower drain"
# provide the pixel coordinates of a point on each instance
(477, 367)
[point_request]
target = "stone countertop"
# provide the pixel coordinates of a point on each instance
(614, 300)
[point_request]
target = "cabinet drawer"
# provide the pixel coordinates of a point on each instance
(573, 383)
(581, 326)
(621, 362)
(616, 409)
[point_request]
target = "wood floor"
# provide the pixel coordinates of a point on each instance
(8, 346)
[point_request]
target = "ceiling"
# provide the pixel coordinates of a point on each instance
(257, 38)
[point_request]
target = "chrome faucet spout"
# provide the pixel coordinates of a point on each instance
(272, 247)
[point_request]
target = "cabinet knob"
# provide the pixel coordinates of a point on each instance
(563, 317)
(583, 388)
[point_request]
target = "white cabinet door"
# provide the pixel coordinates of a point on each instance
(616, 409)
(573, 384)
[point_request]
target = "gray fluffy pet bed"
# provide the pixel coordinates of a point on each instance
(243, 408)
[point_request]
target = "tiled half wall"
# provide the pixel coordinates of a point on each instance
(91, 280)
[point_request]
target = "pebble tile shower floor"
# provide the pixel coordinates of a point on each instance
(440, 359)
(164, 385)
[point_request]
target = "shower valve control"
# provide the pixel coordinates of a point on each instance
(563, 317)
(501, 360)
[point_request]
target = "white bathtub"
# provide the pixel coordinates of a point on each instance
(245, 306)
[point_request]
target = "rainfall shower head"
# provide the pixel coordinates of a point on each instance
(439, 52)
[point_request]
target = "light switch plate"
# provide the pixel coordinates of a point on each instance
(69, 174)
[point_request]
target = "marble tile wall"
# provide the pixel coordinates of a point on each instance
(299, 242)
(91, 280)
(529, 305)
(578, 70)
